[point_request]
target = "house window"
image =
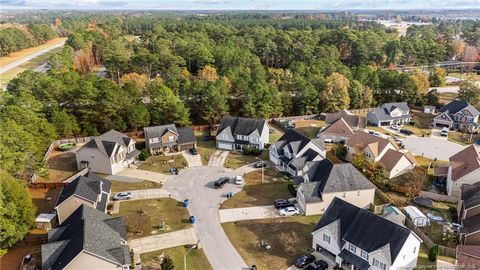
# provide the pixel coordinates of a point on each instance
(352, 248)
(326, 238)
(171, 138)
(414, 250)
(364, 254)
(378, 264)
(154, 140)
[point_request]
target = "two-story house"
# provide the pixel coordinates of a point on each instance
(87, 239)
(293, 151)
(89, 190)
(458, 115)
(167, 138)
(358, 239)
(387, 114)
(469, 214)
(339, 131)
(234, 133)
(354, 121)
(109, 153)
(464, 168)
(384, 151)
(323, 181)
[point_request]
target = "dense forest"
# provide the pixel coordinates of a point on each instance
(197, 69)
(16, 37)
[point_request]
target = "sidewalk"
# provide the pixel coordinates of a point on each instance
(163, 241)
(247, 213)
(145, 194)
(136, 175)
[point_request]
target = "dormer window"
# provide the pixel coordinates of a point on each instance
(364, 255)
(352, 248)
(326, 238)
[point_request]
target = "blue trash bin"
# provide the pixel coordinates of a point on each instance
(185, 203)
(192, 219)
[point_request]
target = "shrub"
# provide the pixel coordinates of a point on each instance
(292, 190)
(167, 263)
(144, 154)
(433, 254)
(248, 150)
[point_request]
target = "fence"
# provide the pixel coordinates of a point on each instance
(438, 197)
(278, 122)
(46, 185)
(36, 239)
(362, 111)
(443, 250)
(73, 177)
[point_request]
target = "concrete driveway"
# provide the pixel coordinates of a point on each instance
(196, 184)
(247, 213)
(145, 194)
(163, 241)
(192, 160)
(218, 158)
(249, 168)
(136, 175)
(432, 147)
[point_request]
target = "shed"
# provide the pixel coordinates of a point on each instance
(46, 221)
(394, 214)
(429, 109)
(418, 218)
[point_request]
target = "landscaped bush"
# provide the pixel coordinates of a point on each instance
(433, 254)
(292, 190)
(144, 154)
(248, 150)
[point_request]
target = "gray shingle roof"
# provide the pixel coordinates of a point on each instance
(186, 135)
(354, 121)
(459, 105)
(241, 125)
(383, 112)
(295, 139)
(90, 230)
(106, 142)
(470, 195)
(87, 187)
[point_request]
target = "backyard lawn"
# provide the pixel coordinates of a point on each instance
(162, 164)
(236, 160)
(435, 231)
(275, 134)
(446, 97)
(61, 165)
(289, 238)
(309, 128)
(146, 215)
(205, 149)
(118, 186)
(196, 258)
(424, 264)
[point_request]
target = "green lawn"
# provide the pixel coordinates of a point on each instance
(146, 215)
(205, 149)
(462, 138)
(309, 128)
(289, 238)
(118, 186)
(446, 97)
(275, 133)
(196, 258)
(422, 123)
(162, 164)
(61, 165)
(424, 264)
(236, 160)
(258, 195)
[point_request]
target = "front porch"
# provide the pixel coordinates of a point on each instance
(164, 149)
(346, 260)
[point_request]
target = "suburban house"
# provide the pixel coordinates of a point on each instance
(89, 190)
(384, 151)
(338, 131)
(464, 168)
(234, 133)
(87, 239)
(324, 181)
(469, 214)
(167, 138)
(109, 153)
(359, 239)
(354, 121)
(457, 115)
(387, 114)
(293, 151)
(467, 255)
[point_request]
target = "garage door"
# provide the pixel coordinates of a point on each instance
(223, 145)
(441, 125)
(386, 123)
(187, 146)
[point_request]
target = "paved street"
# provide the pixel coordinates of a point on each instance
(192, 160)
(145, 194)
(196, 184)
(247, 213)
(218, 158)
(163, 241)
(136, 175)
(432, 147)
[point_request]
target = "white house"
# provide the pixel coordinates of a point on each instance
(323, 181)
(384, 151)
(416, 216)
(234, 133)
(464, 168)
(293, 151)
(358, 239)
(459, 115)
(109, 153)
(390, 113)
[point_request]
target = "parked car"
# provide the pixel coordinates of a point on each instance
(395, 127)
(317, 265)
(122, 196)
(282, 203)
(327, 140)
(444, 132)
(260, 164)
(304, 260)
(396, 139)
(406, 131)
(193, 151)
(289, 211)
(221, 182)
(238, 180)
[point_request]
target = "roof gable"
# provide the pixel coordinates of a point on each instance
(464, 162)
(87, 187)
(242, 126)
(109, 143)
(361, 139)
(339, 127)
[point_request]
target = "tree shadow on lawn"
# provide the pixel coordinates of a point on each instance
(63, 161)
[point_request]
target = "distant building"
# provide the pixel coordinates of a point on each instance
(234, 133)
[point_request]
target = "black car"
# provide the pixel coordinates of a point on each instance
(221, 182)
(317, 265)
(260, 164)
(304, 260)
(281, 203)
(406, 131)
(193, 151)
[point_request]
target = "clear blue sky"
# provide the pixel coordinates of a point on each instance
(241, 4)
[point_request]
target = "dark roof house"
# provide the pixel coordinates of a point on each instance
(167, 138)
(389, 113)
(354, 121)
(235, 133)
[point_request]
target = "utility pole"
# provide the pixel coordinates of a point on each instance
(185, 257)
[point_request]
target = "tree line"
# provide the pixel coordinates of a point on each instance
(13, 39)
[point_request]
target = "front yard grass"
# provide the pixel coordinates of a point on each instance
(258, 195)
(118, 186)
(462, 137)
(289, 238)
(146, 215)
(236, 160)
(162, 164)
(309, 128)
(196, 258)
(205, 149)
(422, 123)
